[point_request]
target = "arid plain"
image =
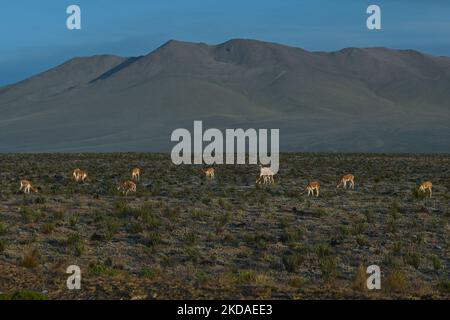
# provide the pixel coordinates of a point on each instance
(182, 236)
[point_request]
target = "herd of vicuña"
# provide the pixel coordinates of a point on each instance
(266, 176)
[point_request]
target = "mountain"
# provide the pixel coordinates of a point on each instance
(355, 99)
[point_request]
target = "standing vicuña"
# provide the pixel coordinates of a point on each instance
(265, 179)
(136, 174)
(26, 186)
(209, 173)
(427, 185)
(312, 185)
(79, 175)
(266, 174)
(346, 178)
(126, 187)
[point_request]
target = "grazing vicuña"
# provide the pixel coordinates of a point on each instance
(79, 175)
(26, 186)
(127, 187)
(426, 185)
(344, 179)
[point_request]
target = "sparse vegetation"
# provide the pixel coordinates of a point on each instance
(190, 238)
(2, 229)
(360, 283)
(292, 261)
(413, 259)
(23, 295)
(395, 282)
(320, 212)
(2, 245)
(437, 263)
(47, 228)
(31, 258)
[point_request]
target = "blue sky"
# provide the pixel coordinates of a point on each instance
(34, 36)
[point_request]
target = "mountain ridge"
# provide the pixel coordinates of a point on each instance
(354, 99)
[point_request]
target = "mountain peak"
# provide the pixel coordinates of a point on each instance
(351, 99)
(173, 42)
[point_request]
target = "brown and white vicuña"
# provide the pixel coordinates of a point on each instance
(348, 178)
(79, 175)
(311, 187)
(426, 185)
(209, 173)
(136, 174)
(26, 186)
(265, 176)
(127, 187)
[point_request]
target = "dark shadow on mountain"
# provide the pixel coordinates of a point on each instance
(114, 70)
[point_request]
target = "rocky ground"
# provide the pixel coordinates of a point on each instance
(184, 237)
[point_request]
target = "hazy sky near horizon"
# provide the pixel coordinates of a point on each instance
(35, 38)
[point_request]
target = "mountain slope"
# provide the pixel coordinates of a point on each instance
(371, 99)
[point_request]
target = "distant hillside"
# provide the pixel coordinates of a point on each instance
(370, 99)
